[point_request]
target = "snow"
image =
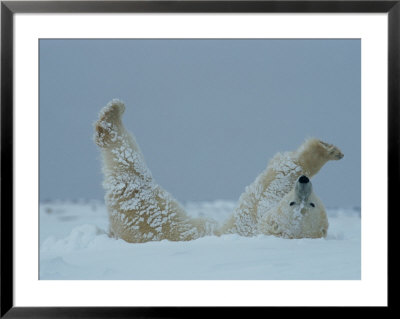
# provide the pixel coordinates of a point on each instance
(74, 245)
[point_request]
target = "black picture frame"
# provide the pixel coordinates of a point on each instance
(9, 8)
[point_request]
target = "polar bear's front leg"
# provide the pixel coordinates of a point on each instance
(313, 154)
(139, 209)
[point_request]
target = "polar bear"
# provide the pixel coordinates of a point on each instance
(139, 209)
(274, 187)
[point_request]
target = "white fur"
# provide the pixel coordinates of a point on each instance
(140, 210)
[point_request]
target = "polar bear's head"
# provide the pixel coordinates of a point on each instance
(308, 208)
(302, 198)
(303, 188)
(300, 214)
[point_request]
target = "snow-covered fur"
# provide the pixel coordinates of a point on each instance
(139, 209)
(268, 191)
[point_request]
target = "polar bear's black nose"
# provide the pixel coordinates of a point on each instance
(303, 179)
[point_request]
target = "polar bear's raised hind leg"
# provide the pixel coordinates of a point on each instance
(139, 209)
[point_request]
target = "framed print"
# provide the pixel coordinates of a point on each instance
(164, 155)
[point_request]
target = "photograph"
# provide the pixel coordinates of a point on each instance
(199, 159)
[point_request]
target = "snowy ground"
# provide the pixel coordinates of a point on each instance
(74, 245)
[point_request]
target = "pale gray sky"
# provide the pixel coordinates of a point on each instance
(207, 114)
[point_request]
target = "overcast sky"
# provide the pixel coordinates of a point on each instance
(207, 114)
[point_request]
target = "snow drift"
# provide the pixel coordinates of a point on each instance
(74, 245)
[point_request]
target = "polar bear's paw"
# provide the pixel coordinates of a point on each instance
(112, 111)
(333, 151)
(106, 127)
